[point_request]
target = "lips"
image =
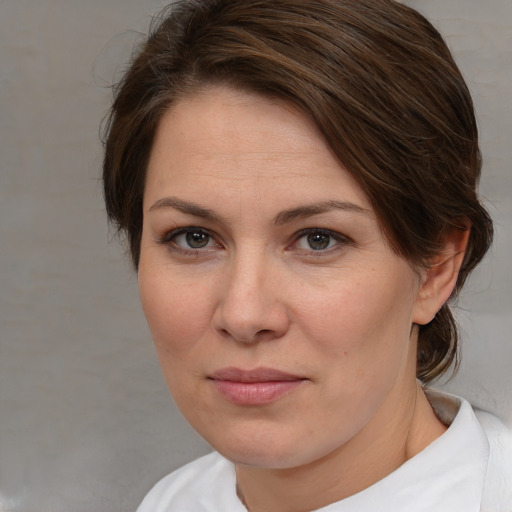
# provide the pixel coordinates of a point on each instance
(258, 386)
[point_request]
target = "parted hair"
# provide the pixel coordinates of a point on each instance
(375, 77)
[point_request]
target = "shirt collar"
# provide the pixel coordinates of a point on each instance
(448, 475)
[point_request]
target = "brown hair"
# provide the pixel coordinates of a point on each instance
(374, 75)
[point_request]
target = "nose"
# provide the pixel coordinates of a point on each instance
(251, 306)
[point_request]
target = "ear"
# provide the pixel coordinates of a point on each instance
(440, 278)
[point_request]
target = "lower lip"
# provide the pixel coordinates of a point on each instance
(255, 393)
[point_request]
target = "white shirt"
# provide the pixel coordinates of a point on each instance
(467, 469)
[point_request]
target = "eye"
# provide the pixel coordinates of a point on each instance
(192, 239)
(189, 239)
(318, 240)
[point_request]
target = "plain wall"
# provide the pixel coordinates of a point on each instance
(86, 423)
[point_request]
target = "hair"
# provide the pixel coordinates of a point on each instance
(377, 79)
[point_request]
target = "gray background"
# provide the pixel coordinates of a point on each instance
(86, 424)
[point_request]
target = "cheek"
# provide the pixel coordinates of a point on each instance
(178, 318)
(177, 315)
(362, 319)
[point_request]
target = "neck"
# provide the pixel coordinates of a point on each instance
(368, 457)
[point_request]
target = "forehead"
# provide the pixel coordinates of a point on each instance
(245, 143)
(223, 121)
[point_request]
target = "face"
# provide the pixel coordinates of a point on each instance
(281, 317)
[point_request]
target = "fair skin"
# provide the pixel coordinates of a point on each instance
(260, 253)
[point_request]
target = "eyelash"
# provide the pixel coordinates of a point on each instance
(341, 240)
(169, 240)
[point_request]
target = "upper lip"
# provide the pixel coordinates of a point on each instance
(254, 375)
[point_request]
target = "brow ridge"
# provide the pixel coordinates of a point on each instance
(283, 217)
(186, 207)
(317, 209)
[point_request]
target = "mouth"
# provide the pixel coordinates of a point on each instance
(258, 386)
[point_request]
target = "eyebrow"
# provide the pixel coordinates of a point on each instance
(186, 207)
(283, 217)
(317, 209)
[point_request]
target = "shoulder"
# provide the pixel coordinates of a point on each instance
(498, 482)
(205, 484)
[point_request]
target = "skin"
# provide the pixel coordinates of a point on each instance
(253, 173)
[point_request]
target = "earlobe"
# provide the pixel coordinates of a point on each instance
(440, 278)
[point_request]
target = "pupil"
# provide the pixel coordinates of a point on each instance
(196, 239)
(318, 241)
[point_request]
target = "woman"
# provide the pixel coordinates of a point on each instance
(297, 182)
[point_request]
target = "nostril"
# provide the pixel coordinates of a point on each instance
(250, 321)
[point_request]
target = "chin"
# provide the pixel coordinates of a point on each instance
(263, 458)
(266, 449)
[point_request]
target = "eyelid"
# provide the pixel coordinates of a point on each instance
(168, 236)
(341, 239)
(167, 239)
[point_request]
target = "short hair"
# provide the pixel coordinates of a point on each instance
(375, 77)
